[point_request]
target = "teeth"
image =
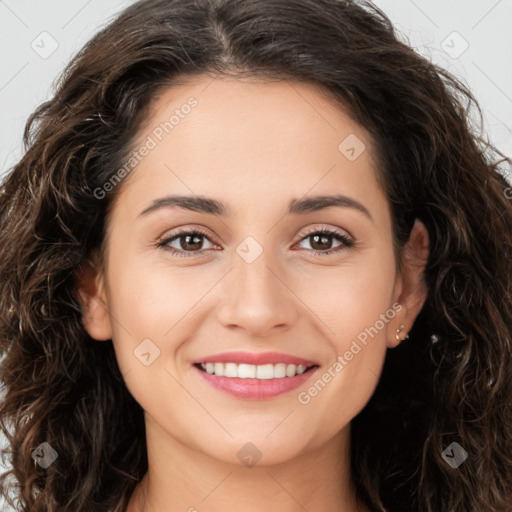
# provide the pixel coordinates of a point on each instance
(251, 371)
(230, 370)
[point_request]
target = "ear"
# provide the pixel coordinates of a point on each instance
(90, 285)
(410, 287)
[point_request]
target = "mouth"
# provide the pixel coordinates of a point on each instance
(254, 382)
(251, 371)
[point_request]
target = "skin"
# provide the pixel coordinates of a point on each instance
(255, 146)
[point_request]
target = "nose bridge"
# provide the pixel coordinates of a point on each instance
(257, 298)
(253, 278)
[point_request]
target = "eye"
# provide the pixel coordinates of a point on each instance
(191, 241)
(322, 238)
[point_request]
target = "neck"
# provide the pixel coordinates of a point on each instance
(181, 478)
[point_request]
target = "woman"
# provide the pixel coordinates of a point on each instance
(255, 257)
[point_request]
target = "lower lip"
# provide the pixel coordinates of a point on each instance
(256, 389)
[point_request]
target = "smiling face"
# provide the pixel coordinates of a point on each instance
(241, 167)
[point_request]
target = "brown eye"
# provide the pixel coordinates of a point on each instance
(321, 241)
(187, 241)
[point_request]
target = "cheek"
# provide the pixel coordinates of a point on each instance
(148, 326)
(354, 308)
(154, 302)
(135, 304)
(348, 299)
(345, 384)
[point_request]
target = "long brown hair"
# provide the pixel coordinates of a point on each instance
(450, 383)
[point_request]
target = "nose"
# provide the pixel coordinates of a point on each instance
(257, 298)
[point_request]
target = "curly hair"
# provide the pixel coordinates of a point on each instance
(451, 383)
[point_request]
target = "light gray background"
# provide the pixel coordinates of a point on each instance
(37, 38)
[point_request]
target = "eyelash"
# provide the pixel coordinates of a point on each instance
(346, 241)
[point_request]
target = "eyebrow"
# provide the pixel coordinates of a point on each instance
(295, 207)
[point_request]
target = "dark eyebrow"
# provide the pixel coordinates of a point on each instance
(194, 203)
(315, 203)
(296, 206)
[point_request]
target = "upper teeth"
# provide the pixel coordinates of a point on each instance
(251, 371)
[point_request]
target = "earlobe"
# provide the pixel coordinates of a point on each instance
(91, 292)
(412, 289)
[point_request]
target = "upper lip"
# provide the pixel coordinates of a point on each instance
(255, 358)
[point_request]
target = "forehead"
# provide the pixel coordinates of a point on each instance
(251, 140)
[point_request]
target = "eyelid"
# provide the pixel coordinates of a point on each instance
(324, 228)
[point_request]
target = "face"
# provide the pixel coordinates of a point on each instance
(257, 273)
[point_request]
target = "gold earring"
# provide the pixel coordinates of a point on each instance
(398, 331)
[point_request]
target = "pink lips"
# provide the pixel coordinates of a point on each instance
(255, 389)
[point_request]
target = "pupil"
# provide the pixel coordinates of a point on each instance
(190, 244)
(316, 239)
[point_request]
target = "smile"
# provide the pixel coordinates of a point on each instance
(254, 382)
(251, 371)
